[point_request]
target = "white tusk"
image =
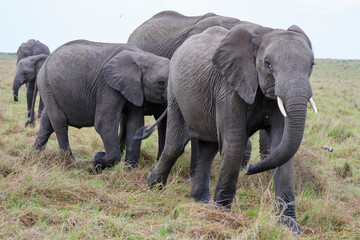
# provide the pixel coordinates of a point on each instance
(312, 103)
(281, 106)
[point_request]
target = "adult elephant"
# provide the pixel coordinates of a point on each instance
(26, 72)
(30, 48)
(87, 84)
(224, 86)
(162, 34)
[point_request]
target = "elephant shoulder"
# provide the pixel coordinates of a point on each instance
(214, 20)
(213, 34)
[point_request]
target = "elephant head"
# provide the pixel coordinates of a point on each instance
(138, 76)
(31, 48)
(280, 63)
(26, 71)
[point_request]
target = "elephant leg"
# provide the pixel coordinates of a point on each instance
(161, 136)
(41, 107)
(194, 157)
(122, 134)
(107, 125)
(247, 154)
(63, 140)
(176, 139)
(232, 140)
(264, 144)
(44, 133)
(134, 121)
(284, 188)
(200, 182)
(29, 95)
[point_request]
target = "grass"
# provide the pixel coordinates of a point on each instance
(44, 196)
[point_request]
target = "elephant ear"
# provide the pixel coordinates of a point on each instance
(297, 29)
(235, 59)
(124, 75)
(39, 61)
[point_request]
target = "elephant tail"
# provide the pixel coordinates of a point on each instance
(31, 121)
(145, 131)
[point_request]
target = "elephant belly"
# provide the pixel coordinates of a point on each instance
(77, 106)
(199, 115)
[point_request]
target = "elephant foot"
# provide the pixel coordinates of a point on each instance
(290, 223)
(100, 164)
(131, 163)
(30, 123)
(153, 180)
(202, 198)
(224, 198)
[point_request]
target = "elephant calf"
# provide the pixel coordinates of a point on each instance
(86, 84)
(30, 48)
(26, 72)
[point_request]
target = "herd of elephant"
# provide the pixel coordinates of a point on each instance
(210, 79)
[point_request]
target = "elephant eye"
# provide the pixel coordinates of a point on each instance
(162, 83)
(268, 64)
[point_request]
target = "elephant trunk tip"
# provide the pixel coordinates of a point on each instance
(258, 168)
(16, 97)
(250, 170)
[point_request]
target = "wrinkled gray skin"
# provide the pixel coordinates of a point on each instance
(86, 84)
(30, 48)
(26, 72)
(161, 35)
(222, 88)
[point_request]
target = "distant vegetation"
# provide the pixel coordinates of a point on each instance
(43, 195)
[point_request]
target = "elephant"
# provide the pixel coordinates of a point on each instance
(86, 84)
(26, 72)
(162, 34)
(224, 85)
(30, 48)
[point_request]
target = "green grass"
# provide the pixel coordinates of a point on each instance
(43, 195)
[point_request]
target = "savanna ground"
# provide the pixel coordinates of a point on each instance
(44, 196)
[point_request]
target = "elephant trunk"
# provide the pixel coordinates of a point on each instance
(296, 107)
(16, 86)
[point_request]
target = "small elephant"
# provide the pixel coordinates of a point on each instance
(86, 84)
(162, 34)
(30, 48)
(223, 87)
(26, 72)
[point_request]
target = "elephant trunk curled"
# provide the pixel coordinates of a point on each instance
(296, 107)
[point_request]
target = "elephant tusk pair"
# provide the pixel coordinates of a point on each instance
(282, 108)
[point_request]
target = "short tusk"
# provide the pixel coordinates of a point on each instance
(281, 106)
(312, 103)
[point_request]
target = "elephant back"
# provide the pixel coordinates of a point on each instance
(164, 32)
